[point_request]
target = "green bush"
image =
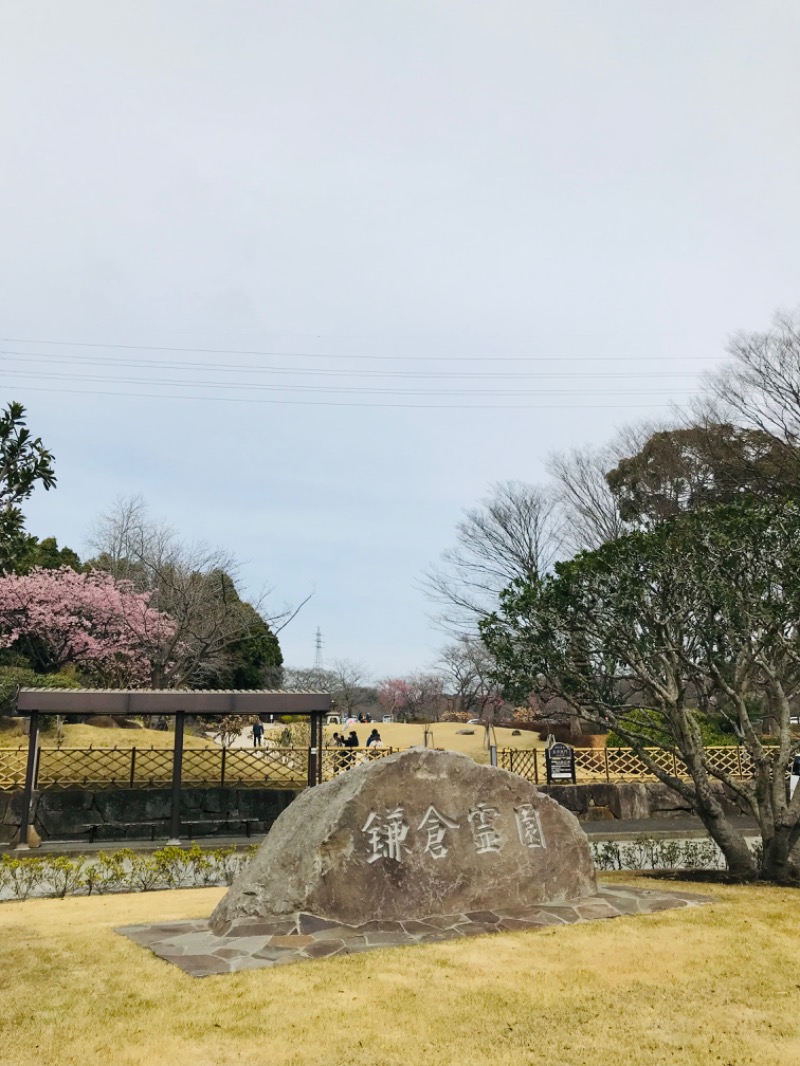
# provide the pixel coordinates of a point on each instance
(123, 870)
(144, 873)
(65, 875)
(228, 863)
(647, 853)
(108, 872)
(21, 876)
(646, 725)
(13, 678)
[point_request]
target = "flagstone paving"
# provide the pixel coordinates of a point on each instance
(253, 943)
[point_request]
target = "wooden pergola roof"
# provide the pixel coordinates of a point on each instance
(173, 703)
(170, 701)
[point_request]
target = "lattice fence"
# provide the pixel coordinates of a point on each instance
(336, 761)
(86, 767)
(202, 767)
(288, 767)
(152, 768)
(266, 767)
(12, 767)
(524, 763)
(623, 764)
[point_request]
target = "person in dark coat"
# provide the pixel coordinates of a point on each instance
(374, 739)
(340, 757)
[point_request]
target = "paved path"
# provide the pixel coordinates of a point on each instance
(683, 826)
(253, 943)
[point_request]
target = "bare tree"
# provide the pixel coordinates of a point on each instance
(466, 667)
(346, 681)
(760, 390)
(350, 689)
(589, 509)
(307, 679)
(514, 533)
(192, 582)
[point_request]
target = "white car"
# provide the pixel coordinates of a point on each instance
(387, 718)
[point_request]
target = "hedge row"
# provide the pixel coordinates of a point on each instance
(647, 853)
(120, 871)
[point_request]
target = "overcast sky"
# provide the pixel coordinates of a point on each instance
(372, 211)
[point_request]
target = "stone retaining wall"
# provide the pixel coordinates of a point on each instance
(625, 800)
(63, 815)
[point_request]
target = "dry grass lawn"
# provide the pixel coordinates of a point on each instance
(84, 736)
(394, 735)
(445, 735)
(716, 985)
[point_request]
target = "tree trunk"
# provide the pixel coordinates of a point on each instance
(731, 842)
(740, 859)
(778, 863)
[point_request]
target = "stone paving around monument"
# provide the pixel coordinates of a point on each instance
(255, 943)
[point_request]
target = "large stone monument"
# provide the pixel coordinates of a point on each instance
(412, 835)
(411, 848)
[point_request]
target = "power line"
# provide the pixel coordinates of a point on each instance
(360, 389)
(149, 364)
(337, 403)
(319, 355)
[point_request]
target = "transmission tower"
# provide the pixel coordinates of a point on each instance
(318, 650)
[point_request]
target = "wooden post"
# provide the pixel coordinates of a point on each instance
(314, 751)
(222, 769)
(177, 765)
(608, 773)
(133, 767)
(30, 781)
(320, 745)
(536, 766)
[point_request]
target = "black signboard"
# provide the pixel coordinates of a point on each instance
(560, 760)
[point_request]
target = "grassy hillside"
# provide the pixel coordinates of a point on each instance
(445, 735)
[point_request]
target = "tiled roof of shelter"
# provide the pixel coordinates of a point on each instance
(193, 691)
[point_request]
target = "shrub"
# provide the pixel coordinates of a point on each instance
(122, 870)
(669, 854)
(21, 876)
(228, 863)
(175, 866)
(607, 855)
(203, 866)
(144, 873)
(107, 872)
(64, 875)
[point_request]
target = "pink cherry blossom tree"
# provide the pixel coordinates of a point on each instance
(99, 624)
(395, 696)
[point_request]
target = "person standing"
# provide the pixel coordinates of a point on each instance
(258, 733)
